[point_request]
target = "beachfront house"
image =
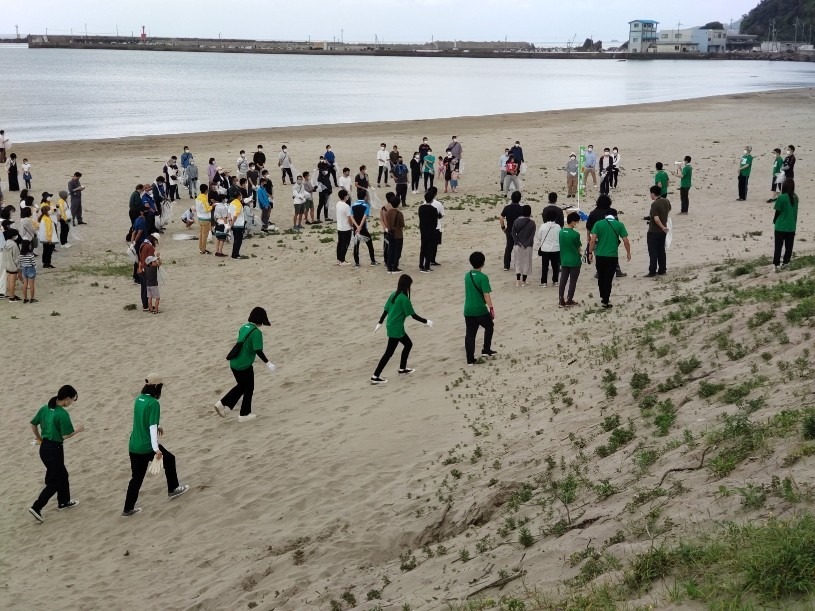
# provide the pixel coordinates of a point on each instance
(642, 33)
(691, 40)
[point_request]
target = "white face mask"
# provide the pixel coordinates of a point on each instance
(787, 151)
(745, 151)
(382, 147)
(615, 152)
(591, 150)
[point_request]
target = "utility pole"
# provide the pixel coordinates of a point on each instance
(17, 28)
(342, 40)
(86, 34)
(117, 30)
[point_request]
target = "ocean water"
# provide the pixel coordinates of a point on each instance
(58, 94)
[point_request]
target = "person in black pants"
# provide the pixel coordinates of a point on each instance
(359, 222)
(415, 173)
(657, 232)
(478, 309)
(400, 179)
(606, 236)
(397, 309)
(428, 219)
(396, 226)
(144, 447)
(606, 172)
(509, 215)
(51, 426)
(241, 359)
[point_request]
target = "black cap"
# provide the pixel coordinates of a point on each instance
(47, 194)
(258, 316)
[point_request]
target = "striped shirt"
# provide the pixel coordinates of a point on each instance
(28, 260)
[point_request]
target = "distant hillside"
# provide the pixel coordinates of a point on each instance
(757, 21)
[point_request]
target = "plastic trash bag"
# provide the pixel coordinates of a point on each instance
(155, 467)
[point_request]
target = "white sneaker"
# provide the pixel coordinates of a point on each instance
(554, 284)
(777, 268)
(220, 409)
(246, 418)
(544, 285)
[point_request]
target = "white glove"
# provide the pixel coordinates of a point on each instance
(271, 367)
(376, 328)
(430, 323)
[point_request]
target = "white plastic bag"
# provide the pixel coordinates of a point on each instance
(523, 168)
(670, 235)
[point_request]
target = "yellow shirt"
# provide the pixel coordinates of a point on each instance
(62, 208)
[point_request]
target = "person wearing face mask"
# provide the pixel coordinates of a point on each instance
(382, 160)
(615, 172)
(455, 149)
(606, 172)
(415, 172)
(324, 190)
(212, 170)
(571, 176)
(789, 162)
(242, 164)
(400, 178)
(745, 166)
(186, 158)
(588, 166)
(284, 163)
(424, 149)
(259, 158)
(502, 167)
(331, 160)
(299, 197)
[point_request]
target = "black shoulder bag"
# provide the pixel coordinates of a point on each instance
(236, 349)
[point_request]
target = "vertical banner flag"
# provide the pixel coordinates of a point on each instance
(581, 183)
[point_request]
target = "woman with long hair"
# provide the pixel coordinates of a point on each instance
(397, 309)
(13, 173)
(52, 426)
(785, 223)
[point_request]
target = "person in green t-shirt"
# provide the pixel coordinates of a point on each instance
(606, 235)
(778, 163)
(478, 309)
(51, 426)
(397, 309)
(745, 166)
(661, 178)
(248, 346)
(786, 222)
(144, 447)
(570, 261)
(685, 173)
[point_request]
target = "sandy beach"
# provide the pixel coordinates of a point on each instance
(337, 479)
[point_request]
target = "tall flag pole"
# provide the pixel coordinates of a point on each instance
(581, 183)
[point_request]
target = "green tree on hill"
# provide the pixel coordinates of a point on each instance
(785, 12)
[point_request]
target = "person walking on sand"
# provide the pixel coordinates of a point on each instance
(191, 179)
(785, 223)
(615, 167)
(502, 169)
(428, 167)
(571, 176)
(606, 172)
(745, 167)
(547, 245)
(265, 202)
(685, 174)
(523, 235)
(397, 308)
(570, 253)
(657, 233)
(778, 162)
(606, 235)
(400, 179)
(52, 426)
(11, 262)
(478, 309)
(237, 219)
(511, 181)
(241, 359)
(144, 447)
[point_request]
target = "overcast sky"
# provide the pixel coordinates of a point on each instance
(361, 20)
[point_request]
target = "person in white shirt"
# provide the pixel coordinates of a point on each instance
(242, 164)
(238, 221)
(284, 163)
(188, 218)
(299, 196)
(221, 227)
(433, 191)
(5, 146)
(345, 181)
(344, 230)
(382, 160)
(547, 243)
(502, 166)
(615, 172)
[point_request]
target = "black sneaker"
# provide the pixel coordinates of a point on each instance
(406, 371)
(68, 505)
(178, 491)
(621, 274)
(36, 514)
(378, 380)
(132, 512)
(486, 353)
(650, 275)
(374, 263)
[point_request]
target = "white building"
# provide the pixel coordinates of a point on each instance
(691, 40)
(642, 34)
